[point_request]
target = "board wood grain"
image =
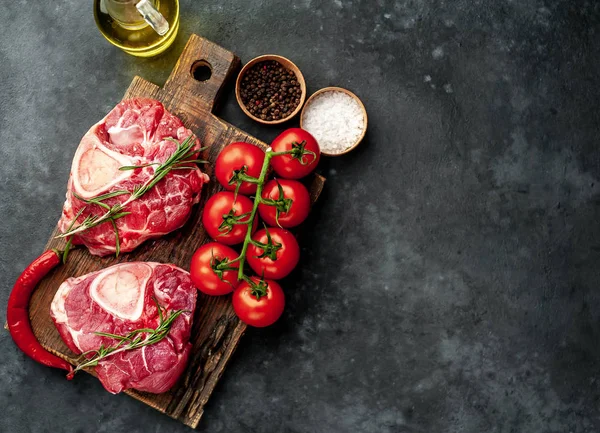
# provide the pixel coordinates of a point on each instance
(216, 330)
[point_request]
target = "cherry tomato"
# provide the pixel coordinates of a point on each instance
(280, 256)
(292, 203)
(208, 279)
(220, 214)
(236, 158)
(290, 165)
(259, 304)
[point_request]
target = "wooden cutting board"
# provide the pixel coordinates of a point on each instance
(216, 330)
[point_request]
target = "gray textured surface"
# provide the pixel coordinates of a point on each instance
(451, 281)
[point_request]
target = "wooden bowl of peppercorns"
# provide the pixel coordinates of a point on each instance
(270, 89)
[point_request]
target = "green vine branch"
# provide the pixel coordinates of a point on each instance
(260, 183)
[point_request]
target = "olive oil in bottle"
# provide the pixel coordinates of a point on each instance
(141, 28)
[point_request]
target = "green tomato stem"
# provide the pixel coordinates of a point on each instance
(257, 200)
(237, 259)
(284, 152)
(245, 178)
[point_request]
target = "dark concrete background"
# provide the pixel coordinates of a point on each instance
(450, 280)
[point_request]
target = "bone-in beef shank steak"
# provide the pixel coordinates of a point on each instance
(121, 299)
(137, 132)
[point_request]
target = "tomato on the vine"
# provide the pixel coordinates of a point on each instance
(287, 203)
(223, 217)
(302, 161)
(211, 269)
(237, 160)
(277, 255)
(259, 303)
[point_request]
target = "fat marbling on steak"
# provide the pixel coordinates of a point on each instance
(136, 132)
(121, 299)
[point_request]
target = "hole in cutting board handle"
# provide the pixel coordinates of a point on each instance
(201, 70)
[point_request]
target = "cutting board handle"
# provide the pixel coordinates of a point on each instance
(200, 73)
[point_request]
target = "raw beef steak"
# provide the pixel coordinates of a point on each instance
(121, 299)
(136, 132)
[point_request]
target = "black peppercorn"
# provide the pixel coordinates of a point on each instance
(270, 91)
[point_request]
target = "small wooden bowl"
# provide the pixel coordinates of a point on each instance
(286, 63)
(356, 98)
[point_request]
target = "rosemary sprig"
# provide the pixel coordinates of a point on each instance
(134, 340)
(184, 154)
(117, 238)
(69, 243)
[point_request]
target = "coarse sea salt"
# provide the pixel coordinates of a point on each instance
(335, 119)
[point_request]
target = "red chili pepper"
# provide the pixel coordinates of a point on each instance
(17, 315)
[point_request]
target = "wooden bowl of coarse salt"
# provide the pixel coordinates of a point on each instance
(337, 119)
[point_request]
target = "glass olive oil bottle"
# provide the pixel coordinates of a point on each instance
(142, 28)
